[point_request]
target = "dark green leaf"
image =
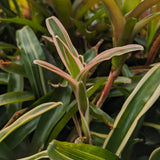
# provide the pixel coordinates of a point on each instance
(15, 97)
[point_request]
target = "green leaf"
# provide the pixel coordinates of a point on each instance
(12, 67)
(22, 132)
(27, 22)
(7, 46)
(106, 55)
(64, 46)
(124, 38)
(37, 111)
(118, 21)
(58, 71)
(139, 25)
(49, 120)
(63, 151)
(100, 114)
(40, 8)
(137, 104)
(128, 5)
(15, 97)
(31, 50)
(5, 152)
(155, 154)
(84, 8)
(37, 156)
(70, 111)
(15, 84)
(141, 8)
(152, 28)
(3, 78)
(63, 9)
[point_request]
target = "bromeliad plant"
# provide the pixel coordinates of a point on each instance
(126, 23)
(76, 67)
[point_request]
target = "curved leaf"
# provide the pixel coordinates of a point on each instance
(155, 154)
(64, 151)
(106, 55)
(143, 6)
(58, 71)
(128, 5)
(139, 25)
(27, 117)
(64, 46)
(136, 105)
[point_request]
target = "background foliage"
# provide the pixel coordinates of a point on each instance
(96, 93)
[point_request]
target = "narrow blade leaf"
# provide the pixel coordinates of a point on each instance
(143, 6)
(37, 156)
(27, 22)
(15, 97)
(139, 25)
(106, 55)
(116, 17)
(56, 70)
(27, 117)
(69, 56)
(137, 104)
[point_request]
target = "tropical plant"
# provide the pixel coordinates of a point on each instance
(49, 100)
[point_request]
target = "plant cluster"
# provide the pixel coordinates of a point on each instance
(56, 99)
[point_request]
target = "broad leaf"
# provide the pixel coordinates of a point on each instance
(63, 151)
(31, 50)
(137, 104)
